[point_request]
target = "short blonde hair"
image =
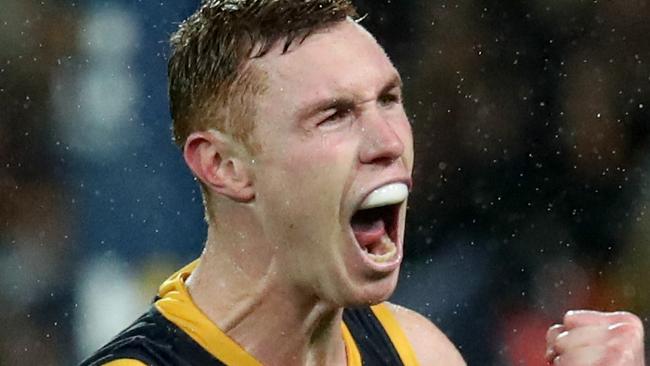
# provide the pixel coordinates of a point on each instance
(210, 85)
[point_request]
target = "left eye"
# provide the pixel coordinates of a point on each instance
(389, 99)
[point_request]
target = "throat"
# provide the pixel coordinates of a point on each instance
(274, 323)
(297, 337)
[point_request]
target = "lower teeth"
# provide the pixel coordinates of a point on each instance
(386, 244)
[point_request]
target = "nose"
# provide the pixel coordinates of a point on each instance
(381, 143)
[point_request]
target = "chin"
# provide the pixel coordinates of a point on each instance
(371, 291)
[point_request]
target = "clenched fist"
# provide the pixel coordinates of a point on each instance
(596, 339)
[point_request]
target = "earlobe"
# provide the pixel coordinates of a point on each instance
(214, 159)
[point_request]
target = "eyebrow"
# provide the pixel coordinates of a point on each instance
(345, 102)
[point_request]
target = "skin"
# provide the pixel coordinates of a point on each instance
(592, 338)
(280, 252)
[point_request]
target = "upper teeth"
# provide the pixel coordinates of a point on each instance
(386, 195)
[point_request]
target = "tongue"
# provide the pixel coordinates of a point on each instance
(368, 232)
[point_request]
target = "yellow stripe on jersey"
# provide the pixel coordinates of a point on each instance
(351, 349)
(396, 335)
(125, 362)
(176, 305)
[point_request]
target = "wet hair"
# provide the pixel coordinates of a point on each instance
(211, 82)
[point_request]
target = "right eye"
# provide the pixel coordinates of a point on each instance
(336, 116)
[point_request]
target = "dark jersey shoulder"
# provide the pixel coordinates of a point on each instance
(155, 341)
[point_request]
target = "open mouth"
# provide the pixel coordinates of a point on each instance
(376, 230)
(375, 223)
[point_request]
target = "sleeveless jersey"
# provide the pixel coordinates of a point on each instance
(174, 332)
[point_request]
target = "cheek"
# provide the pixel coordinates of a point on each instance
(305, 186)
(324, 161)
(321, 175)
(406, 135)
(305, 218)
(410, 155)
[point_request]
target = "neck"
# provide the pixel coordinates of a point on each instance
(245, 294)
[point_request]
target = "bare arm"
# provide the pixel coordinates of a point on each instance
(431, 346)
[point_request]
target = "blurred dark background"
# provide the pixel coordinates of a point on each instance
(532, 178)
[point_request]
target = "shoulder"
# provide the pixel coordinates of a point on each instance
(431, 346)
(125, 362)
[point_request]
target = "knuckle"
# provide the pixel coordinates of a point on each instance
(560, 344)
(552, 332)
(626, 331)
(634, 319)
(627, 317)
(569, 315)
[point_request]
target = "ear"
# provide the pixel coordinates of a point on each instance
(220, 163)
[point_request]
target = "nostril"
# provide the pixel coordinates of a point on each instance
(386, 161)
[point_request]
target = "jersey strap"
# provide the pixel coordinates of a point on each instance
(374, 344)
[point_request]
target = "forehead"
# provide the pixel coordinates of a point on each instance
(343, 58)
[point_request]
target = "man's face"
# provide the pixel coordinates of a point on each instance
(332, 130)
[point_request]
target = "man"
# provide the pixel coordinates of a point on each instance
(290, 115)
